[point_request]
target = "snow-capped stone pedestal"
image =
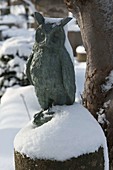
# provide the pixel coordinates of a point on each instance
(72, 139)
(81, 54)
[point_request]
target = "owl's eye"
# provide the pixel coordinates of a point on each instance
(40, 36)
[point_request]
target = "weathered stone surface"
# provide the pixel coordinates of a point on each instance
(81, 57)
(91, 161)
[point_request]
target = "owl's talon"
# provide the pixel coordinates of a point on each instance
(42, 117)
(39, 114)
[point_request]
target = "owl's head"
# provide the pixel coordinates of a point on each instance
(50, 34)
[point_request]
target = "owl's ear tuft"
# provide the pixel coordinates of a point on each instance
(65, 21)
(39, 18)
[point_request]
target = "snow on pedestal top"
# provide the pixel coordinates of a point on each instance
(80, 49)
(71, 133)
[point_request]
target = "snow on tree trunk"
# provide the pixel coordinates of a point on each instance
(95, 19)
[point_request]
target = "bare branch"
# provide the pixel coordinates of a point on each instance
(25, 106)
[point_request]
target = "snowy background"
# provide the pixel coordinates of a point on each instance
(18, 102)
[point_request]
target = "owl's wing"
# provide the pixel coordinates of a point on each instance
(68, 75)
(28, 64)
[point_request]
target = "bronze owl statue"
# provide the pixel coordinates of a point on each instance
(49, 67)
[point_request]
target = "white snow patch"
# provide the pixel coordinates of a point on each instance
(3, 27)
(6, 148)
(12, 19)
(16, 61)
(31, 5)
(52, 20)
(109, 82)
(22, 45)
(1, 43)
(3, 4)
(67, 44)
(14, 32)
(106, 104)
(80, 68)
(101, 118)
(13, 116)
(71, 132)
(72, 25)
(80, 49)
(13, 111)
(17, 9)
(101, 114)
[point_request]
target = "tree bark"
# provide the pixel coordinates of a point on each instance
(95, 19)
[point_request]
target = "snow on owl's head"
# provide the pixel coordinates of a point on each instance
(50, 33)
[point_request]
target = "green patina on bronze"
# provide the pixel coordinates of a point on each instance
(49, 67)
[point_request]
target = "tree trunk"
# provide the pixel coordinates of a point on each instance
(95, 19)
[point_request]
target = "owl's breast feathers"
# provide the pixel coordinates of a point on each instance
(52, 74)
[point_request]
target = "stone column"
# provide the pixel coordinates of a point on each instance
(91, 161)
